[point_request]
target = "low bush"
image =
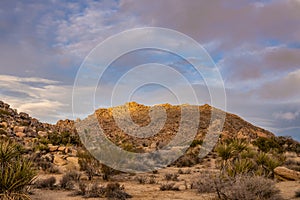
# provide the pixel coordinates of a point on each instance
(297, 193)
(266, 144)
(141, 179)
(239, 187)
(171, 177)
(46, 183)
(67, 182)
(169, 186)
(115, 191)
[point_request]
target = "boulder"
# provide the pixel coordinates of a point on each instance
(20, 134)
(4, 124)
(19, 129)
(58, 160)
(52, 147)
(42, 133)
(62, 149)
(284, 173)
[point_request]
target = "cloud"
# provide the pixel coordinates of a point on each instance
(285, 88)
(42, 98)
(234, 23)
(287, 115)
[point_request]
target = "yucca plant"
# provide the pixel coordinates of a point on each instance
(240, 166)
(16, 172)
(225, 152)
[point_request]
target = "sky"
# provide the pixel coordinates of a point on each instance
(254, 44)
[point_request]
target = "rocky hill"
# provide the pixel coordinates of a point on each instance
(234, 126)
(58, 144)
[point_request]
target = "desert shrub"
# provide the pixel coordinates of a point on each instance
(95, 191)
(171, 177)
(64, 138)
(241, 166)
(115, 191)
(292, 164)
(235, 157)
(46, 183)
(152, 180)
(74, 175)
(267, 163)
(16, 171)
(168, 186)
(187, 160)
(82, 189)
(88, 163)
(297, 193)
(41, 147)
(141, 179)
(196, 143)
(2, 131)
(67, 182)
(239, 187)
(288, 144)
(107, 172)
(4, 112)
(53, 169)
(252, 188)
(266, 144)
(111, 191)
(180, 171)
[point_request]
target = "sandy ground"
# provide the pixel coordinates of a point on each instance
(152, 191)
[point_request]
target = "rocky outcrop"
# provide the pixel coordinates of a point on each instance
(234, 126)
(283, 173)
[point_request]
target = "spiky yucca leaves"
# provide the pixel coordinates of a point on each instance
(237, 157)
(229, 151)
(267, 163)
(16, 172)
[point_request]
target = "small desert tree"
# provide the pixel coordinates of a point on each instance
(16, 171)
(88, 163)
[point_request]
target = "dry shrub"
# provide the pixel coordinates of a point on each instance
(169, 186)
(180, 171)
(171, 177)
(111, 191)
(115, 191)
(252, 188)
(46, 183)
(141, 179)
(67, 182)
(297, 194)
(240, 187)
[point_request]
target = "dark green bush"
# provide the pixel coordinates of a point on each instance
(266, 144)
(16, 171)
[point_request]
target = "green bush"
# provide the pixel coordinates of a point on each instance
(63, 138)
(266, 144)
(196, 143)
(16, 172)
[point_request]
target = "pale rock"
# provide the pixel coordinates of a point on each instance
(42, 133)
(4, 124)
(20, 134)
(284, 173)
(62, 149)
(19, 129)
(52, 147)
(59, 160)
